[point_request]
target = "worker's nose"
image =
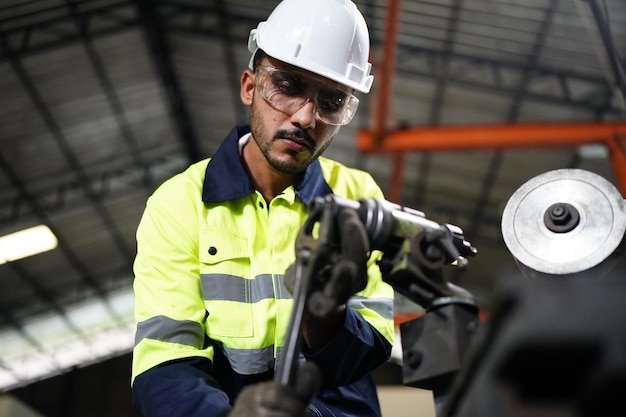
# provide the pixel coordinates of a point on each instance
(305, 115)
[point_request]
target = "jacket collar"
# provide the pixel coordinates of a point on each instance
(227, 179)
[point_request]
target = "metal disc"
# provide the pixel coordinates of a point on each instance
(599, 229)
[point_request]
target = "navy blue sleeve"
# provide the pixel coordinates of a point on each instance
(186, 387)
(352, 354)
(180, 388)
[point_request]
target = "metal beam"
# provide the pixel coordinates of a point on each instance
(386, 70)
(611, 134)
(444, 69)
(106, 83)
(187, 18)
(411, 68)
(157, 41)
(532, 63)
(107, 184)
(617, 75)
(382, 108)
(45, 33)
(230, 63)
(70, 157)
(491, 136)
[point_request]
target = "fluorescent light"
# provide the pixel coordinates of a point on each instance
(27, 242)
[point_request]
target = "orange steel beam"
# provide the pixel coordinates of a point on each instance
(617, 154)
(395, 186)
(385, 76)
(611, 134)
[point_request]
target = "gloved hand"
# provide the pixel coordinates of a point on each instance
(346, 271)
(272, 399)
(343, 270)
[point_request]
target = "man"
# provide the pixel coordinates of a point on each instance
(215, 241)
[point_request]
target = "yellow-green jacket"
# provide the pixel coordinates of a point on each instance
(208, 277)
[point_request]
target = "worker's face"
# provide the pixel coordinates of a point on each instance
(294, 114)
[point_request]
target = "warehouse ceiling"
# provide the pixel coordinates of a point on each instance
(101, 100)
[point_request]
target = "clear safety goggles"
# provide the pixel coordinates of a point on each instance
(288, 91)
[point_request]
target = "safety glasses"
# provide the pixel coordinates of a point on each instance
(289, 91)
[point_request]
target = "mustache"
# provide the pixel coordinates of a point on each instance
(297, 133)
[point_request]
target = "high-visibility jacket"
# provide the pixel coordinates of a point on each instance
(211, 254)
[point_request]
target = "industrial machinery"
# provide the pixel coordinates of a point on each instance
(566, 222)
(414, 252)
(556, 342)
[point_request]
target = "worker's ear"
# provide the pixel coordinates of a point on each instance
(248, 80)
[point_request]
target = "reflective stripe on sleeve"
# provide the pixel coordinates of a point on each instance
(165, 329)
(382, 306)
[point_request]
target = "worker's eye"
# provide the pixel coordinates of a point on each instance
(330, 101)
(288, 84)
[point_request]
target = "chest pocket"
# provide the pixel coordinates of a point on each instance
(225, 281)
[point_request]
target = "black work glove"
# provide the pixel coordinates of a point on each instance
(341, 268)
(272, 399)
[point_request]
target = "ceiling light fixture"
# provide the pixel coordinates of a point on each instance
(26, 242)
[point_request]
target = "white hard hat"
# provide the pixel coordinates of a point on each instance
(326, 37)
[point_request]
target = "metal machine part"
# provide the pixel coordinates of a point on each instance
(550, 348)
(414, 251)
(435, 345)
(388, 225)
(553, 346)
(564, 222)
(414, 248)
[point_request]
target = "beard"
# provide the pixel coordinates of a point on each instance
(294, 163)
